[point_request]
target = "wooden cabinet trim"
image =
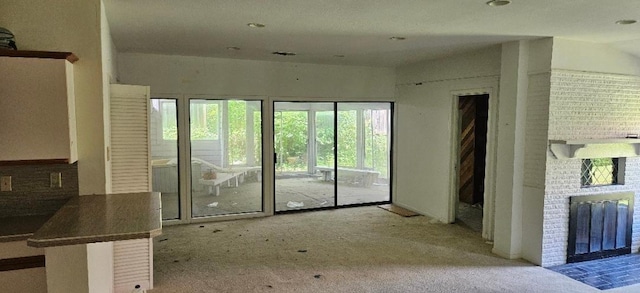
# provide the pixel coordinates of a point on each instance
(39, 54)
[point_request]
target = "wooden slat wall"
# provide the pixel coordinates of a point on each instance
(467, 108)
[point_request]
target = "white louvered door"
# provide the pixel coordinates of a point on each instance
(131, 172)
(132, 265)
(130, 148)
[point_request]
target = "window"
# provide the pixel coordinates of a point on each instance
(601, 171)
(169, 123)
(205, 120)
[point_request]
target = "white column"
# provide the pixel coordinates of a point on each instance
(511, 147)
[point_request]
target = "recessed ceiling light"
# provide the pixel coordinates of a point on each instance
(496, 3)
(233, 48)
(338, 56)
(283, 53)
(397, 38)
(626, 21)
(256, 25)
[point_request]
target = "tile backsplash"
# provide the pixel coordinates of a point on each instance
(32, 193)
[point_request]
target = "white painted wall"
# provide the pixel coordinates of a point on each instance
(72, 26)
(109, 73)
(592, 57)
(424, 125)
(230, 77)
(109, 51)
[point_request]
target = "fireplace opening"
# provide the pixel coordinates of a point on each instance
(600, 226)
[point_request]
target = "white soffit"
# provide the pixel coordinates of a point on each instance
(359, 29)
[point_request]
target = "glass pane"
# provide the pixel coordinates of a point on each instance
(582, 228)
(164, 155)
(304, 166)
(609, 226)
(204, 120)
(599, 171)
(364, 140)
(595, 243)
(621, 227)
(226, 167)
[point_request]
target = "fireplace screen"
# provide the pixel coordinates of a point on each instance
(600, 226)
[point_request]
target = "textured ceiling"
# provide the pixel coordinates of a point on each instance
(317, 30)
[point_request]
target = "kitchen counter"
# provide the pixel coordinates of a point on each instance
(101, 218)
(20, 228)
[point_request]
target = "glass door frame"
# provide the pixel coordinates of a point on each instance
(183, 102)
(273, 101)
(268, 150)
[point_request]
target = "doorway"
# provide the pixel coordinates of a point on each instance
(473, 114)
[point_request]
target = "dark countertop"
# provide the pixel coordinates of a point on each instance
(101, 218)
(21, 228)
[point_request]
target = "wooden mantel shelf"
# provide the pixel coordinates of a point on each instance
(595, 148)
(39, 54)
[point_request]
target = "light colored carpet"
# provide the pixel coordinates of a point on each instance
(364, 249)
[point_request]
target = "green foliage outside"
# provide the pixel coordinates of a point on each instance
(293, 128)
(291, 137)
(324, 138)
(257, 136)
(204, 121)
(291, 140)
(376, 148)
(237, 132)
(347, 139)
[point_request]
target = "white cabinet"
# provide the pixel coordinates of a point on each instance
(37, 106)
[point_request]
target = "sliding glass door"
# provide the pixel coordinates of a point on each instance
(207, 156)
(164, 155)
(303, 142)
(331, 154)
(224, 171)
(364, 153)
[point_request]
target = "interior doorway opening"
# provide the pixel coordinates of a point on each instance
(473, 113)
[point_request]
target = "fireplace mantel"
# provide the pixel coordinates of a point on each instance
(595, 148)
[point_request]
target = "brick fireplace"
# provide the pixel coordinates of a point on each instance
(581, 106)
